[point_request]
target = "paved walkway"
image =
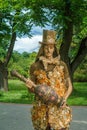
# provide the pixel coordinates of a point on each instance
(18, 117)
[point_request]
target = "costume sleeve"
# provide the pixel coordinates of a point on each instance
(32, 69)
(66, 72)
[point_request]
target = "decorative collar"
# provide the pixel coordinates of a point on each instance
(55, 61)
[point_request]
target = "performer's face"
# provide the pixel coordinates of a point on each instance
(48, 50)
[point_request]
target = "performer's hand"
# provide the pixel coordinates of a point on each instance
(63, 104)
(30, 84)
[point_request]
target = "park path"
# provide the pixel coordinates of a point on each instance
(18, 117)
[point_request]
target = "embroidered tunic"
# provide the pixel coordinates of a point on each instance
(53, 74)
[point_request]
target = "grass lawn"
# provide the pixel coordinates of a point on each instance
(18, 93)
(79, 94)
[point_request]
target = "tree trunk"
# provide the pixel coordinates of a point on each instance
(1, 81)
(80, 55)
(67, 36)
(4, 64)
(3, 77)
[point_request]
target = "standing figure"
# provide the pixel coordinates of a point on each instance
(48, 69)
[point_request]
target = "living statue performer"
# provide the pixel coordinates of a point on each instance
(48, 69)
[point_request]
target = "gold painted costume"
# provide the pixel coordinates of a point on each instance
(53, 74)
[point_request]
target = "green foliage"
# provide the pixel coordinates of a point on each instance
(21, 62)
(81, 73)
(14, 17)
(15, 12)
(54, 12)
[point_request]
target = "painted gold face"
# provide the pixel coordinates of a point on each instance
(48, 50)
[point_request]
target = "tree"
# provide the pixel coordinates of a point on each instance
(69, 19)
(8, 37)
(16, 21)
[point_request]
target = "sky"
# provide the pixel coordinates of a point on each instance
(30, 44)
